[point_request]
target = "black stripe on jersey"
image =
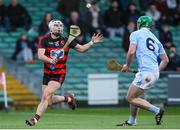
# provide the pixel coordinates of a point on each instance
(56, 69)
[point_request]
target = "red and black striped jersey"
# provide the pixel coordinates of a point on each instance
(52, 47)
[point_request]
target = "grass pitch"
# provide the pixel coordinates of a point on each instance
(89, 118)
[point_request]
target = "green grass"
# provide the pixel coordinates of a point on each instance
(88, 118)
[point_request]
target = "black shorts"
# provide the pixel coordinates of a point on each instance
(53, 77)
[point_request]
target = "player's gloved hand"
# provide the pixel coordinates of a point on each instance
(125, 68)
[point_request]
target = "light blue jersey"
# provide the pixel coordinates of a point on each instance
(148, 49)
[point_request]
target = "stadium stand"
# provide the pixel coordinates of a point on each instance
(79, 65)
(19, 95)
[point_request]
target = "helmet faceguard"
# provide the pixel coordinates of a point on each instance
(144, 21)
(52, 24)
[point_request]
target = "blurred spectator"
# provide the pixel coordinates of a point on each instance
(172, 5)
(154, 30)
(176, 18)
(82, 8)
(34, 45)
(165, 35)
(43, 27)
(23, 50)
(174, 60)
(177, 15)
(65, 7)
(161, 6)
(113, 20)
(75, 20)
(167, 9)
(167, 47)
(128, 30)
(144, 4)
(178, 7)
(94, 19)
(2, 15)
(104, 5)
(18, 16)
(132, 14)
(124, 4)
(173, 11)
(153, 13)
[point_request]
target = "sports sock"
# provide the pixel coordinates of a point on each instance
(37, 117)
(154, 109)
(132, 120)
(65, 98)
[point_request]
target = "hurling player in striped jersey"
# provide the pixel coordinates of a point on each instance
(49, 46)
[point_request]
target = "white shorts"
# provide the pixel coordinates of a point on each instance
(144, 80)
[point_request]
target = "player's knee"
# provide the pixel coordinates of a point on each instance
(46, 95)
(129, 98)
(50, 102)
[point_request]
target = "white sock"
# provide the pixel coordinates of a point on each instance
(154, 109)
(132, 120)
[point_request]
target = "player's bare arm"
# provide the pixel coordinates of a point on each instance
(96, 38)
(44, 58)
(164, 61)
(130, 55)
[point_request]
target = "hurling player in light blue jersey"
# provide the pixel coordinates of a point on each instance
(147, 48)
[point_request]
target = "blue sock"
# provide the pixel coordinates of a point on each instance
(154, 109)
(132, 120)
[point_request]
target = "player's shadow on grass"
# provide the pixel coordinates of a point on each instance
(138, 125)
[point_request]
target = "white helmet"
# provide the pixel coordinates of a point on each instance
(52, 23)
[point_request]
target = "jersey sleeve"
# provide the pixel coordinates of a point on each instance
(161, 49)
(133, 38)
(73, 44)
(42, 43)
